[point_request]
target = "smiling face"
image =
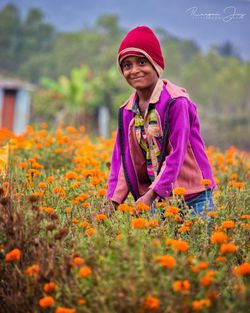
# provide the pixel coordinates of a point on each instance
(139, 72)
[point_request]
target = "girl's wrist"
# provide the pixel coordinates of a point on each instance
(152, 194)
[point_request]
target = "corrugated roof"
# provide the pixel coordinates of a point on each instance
(8, 83)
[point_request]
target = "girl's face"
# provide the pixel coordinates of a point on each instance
(139, 72)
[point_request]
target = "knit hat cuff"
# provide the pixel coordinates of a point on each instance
(135, 51)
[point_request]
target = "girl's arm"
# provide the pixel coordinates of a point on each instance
(179, 129)
(117, 186)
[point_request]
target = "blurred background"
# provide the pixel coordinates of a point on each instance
(58, 62)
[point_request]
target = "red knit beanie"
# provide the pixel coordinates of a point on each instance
(142, 41)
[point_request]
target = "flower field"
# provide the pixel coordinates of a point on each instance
(61, 253)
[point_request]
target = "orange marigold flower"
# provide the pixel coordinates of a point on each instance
(206, 182)
(71, 175)
(207, 279)
(34, 172)
(182, 286)
(71, 130)
(85, 204)
(42, 185)
(168, 214)
(68, 210)
(203, 265)
(160, 204)
(239, 185)
(138, 223)
(178, 245)
(151, 303)
(82, 197)
(90, 231)
(169, 242)
(142, 207)
(124, 208)
(101, 217)
(37, 165)
(218, 237)
(179, 191)
(46, 302)
(198, 305)
(23, 164)
(49, 287)
(95, 181)
(85, 271)
(74, 201)
(172, 209)
(233, 176)
(50, 179)
(153, 223)
(33, 270)
(59, 190)
(195, 269)
(167, 261)
(228, 248)
(231, 183)
(84, 224)
(75, 221)
(221, 259)
(61, 309)
(228, 224)
(243, 269)
(48, 210)
(245, 216)
(13, 255)
(81, 301)
(78, 261)
(183, 229)
(86, 173)
(212, 214)
(102, 192)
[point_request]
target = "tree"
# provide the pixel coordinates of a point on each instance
(22, 38)
(75, 91)
(10, 23)
(227, 49)
(108, 26)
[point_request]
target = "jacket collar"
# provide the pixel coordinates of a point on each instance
(153, 99)
(174, 91)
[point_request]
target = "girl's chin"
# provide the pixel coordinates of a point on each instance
(138, 85)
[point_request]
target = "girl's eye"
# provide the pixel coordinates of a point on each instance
(142, 61)
(125, 65)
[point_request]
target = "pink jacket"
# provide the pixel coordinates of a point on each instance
(185, 162)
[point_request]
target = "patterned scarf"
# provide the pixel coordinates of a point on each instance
(149, 137)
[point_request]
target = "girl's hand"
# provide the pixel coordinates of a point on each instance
(109, 207)
(147, 198)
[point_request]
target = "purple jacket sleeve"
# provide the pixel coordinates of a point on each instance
(179, 129)
(117, 186)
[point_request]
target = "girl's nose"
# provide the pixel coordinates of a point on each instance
(134, 69)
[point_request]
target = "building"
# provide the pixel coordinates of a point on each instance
(15, 104)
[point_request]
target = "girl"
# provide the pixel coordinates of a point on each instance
(158, 145)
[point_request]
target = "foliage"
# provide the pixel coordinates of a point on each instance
(22, 38)
(217, 81)
(59, 253)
